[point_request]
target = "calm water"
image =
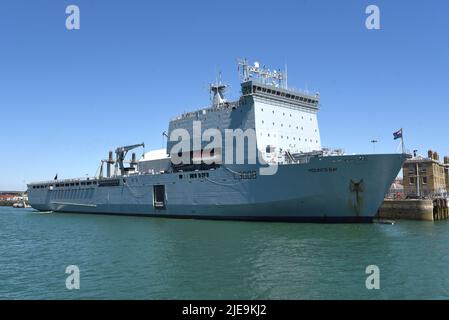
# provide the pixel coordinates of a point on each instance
(146, 258)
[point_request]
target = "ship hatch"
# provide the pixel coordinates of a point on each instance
(159, 196)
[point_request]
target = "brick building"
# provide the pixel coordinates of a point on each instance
(426, 177)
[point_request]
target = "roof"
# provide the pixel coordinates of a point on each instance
(155, 155)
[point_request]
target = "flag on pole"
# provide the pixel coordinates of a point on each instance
(397, 135)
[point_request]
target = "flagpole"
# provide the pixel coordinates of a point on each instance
(402, 141)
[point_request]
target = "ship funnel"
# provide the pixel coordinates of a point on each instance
(109, 163)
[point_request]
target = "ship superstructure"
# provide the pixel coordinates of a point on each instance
(207, 178)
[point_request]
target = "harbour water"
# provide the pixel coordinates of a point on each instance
(154, 258)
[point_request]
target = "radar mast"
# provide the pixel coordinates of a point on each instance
(261, 74)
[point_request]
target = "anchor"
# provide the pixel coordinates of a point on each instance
(357, 187)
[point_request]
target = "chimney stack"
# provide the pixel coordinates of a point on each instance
(435, 156)
(109, 163)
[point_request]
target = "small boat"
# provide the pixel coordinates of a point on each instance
(21, 205)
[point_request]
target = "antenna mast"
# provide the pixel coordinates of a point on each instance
(263, 75)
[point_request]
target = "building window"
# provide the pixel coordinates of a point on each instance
(412, 181)
(424, 180)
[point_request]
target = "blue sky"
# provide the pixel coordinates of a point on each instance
(67, 97)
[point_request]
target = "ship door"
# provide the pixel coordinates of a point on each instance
(159, 197)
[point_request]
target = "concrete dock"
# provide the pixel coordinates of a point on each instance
(421, 209)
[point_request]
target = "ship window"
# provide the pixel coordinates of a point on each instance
(278, 93)
(180, 176)
(259, 88)
(288, 95)
(263, 122)
(269, 91)
(301, 98)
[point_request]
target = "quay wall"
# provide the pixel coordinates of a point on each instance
(407, 209)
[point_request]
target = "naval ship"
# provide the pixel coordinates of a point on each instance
(288, 176)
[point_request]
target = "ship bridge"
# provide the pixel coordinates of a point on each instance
(285, 120)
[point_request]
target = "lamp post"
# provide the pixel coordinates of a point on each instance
(374, 141)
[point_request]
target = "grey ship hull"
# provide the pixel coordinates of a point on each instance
(326, 189)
